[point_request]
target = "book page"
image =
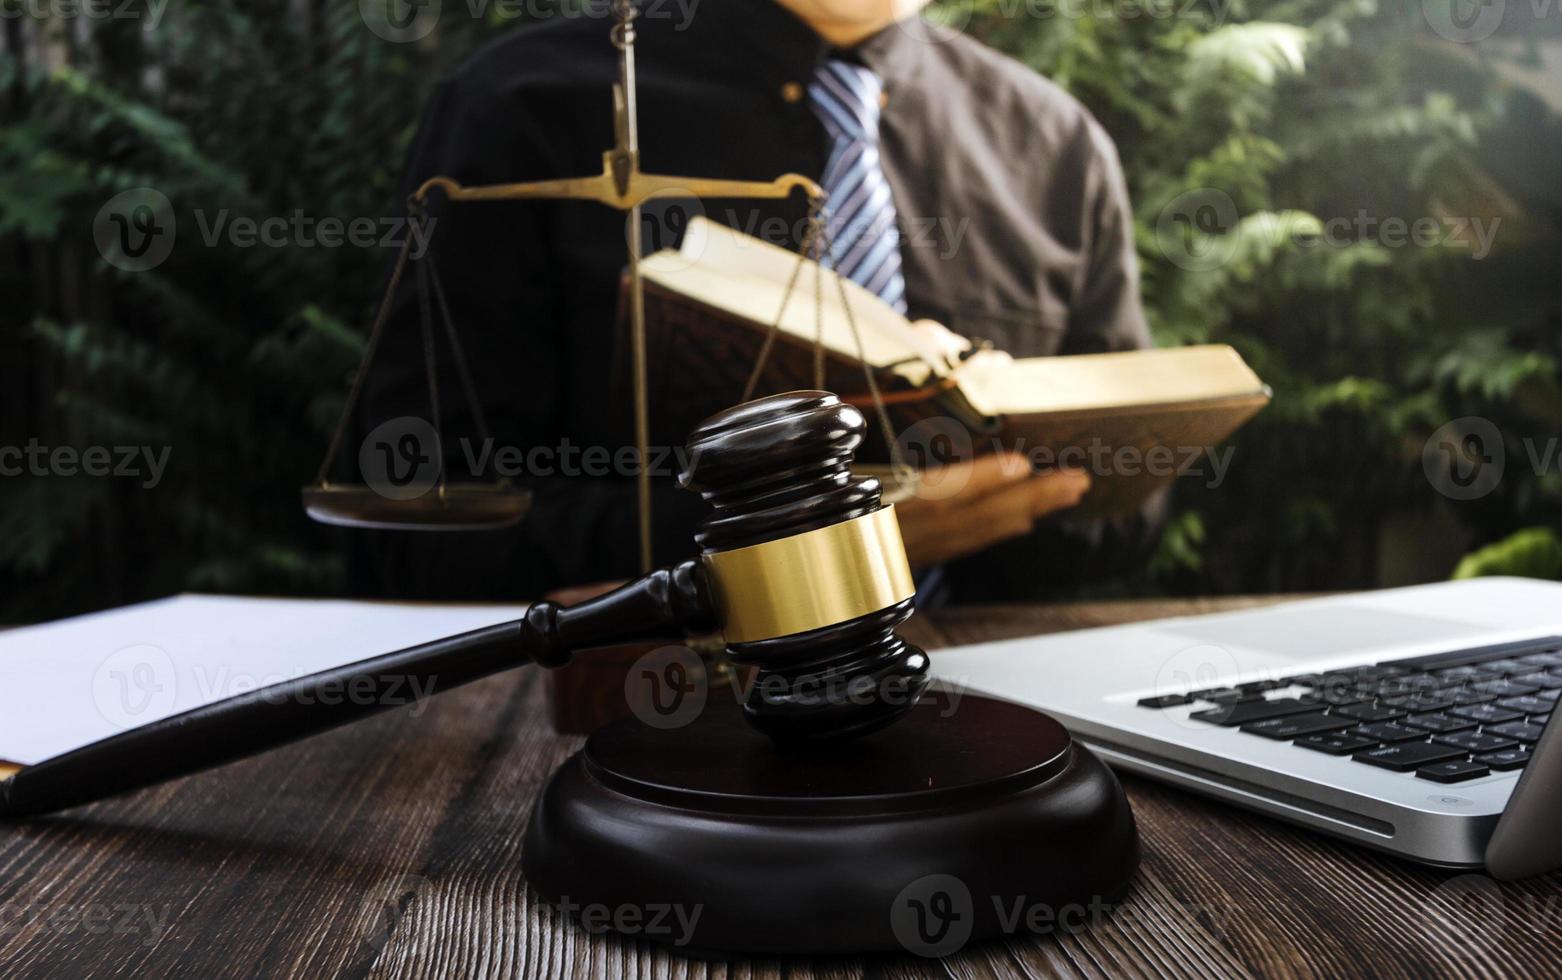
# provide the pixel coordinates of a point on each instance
(1172, 375)
(747, 278)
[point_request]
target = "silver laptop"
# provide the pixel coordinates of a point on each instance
(1413, 720)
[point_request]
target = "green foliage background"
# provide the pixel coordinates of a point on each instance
(1296, 112)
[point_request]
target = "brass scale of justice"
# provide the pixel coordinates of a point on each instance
(623, 185)
(846, 806)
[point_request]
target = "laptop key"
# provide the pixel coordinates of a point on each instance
(1337, 743)
(1550, 696)
(1439, 723)
(1551, 658)
(1518, 730)
(1420, 702)
(1467, 672)
(1222, 695)
(1505, 688)
(1476, 741)
(1243, 712)
(1377, 671)
(1511, 666)
(1370, 712)
(1528, 704)
(1486, 714)
(1295, 726)
(1164, 701)
(1405, 756)
(1338, 697)
(1464, 696)
(1388, 732)
(1505, 759)
(1453, 771)
(1259, 687)
(1400, 687)
(1304, 680)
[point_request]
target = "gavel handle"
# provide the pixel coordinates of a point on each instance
(666, 604)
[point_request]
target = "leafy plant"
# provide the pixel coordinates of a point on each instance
(1279, 154)
(1288, 133)
(1535, 552)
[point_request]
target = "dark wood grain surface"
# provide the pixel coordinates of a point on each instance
(391, 849)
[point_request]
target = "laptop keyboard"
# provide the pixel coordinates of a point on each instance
(1447, 717)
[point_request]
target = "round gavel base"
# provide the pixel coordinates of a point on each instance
(969, 819)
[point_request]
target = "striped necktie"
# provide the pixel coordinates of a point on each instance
(859, 208)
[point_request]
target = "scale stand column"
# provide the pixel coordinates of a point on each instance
(626, 161)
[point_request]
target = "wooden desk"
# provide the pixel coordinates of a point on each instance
(392, 849)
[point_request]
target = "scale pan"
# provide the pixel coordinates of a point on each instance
(448, 507)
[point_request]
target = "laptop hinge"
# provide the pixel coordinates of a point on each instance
(1526, 841)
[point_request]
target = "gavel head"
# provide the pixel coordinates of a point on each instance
(806, 566)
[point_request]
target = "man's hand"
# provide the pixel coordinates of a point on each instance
(966, 507)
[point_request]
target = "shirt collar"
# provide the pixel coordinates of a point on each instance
(895, 53)
(791, 51)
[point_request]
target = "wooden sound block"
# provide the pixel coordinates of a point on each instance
(969, 819)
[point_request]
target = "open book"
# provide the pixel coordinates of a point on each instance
(710, 303)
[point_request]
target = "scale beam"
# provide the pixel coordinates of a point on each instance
(604, 188)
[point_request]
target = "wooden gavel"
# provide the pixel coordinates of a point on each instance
(802, 569)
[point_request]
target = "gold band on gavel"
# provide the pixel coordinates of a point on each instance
(818, 578)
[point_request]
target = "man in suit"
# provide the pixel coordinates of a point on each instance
(963, 188)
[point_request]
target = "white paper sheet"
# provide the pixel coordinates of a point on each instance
(67, 684)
